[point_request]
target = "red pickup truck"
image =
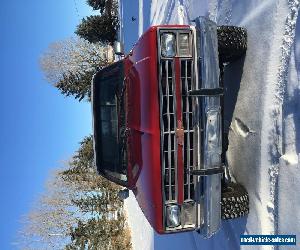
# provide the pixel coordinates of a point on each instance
(158, 126)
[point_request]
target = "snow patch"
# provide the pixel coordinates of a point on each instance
(161, 11)
(290, 159)
(276, 134)
(288, 39)
(267, 163)
(181, 14)
(241, 128)
(262, 7)
(224, 12)
(142, 235)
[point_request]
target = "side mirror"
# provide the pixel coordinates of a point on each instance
(118, 48)
(123, 194)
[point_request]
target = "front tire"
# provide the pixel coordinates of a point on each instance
(234, 201)
(232, 43)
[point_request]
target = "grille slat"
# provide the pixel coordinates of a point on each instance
(168, 114)
(169, 139)
(168, 129)
(186, 79)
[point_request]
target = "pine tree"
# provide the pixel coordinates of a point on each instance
(98, 28)
(81, 210)
(101, 233)
(70, 64)
(98, 200)
(76, 84)
(97, 4)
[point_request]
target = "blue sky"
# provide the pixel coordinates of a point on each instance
(131, 27)
(39, 127)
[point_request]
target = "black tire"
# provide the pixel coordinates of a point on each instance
(234, 201)
(232, 43)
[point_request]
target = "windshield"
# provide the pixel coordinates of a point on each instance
(109, 123)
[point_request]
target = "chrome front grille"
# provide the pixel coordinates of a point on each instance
(186, 85)
(168, 123)
(168, 128)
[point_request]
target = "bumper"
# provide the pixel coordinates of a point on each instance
(208, 128)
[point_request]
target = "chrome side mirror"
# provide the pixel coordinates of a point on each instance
(118, 48)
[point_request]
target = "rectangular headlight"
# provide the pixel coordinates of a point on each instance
(188, 213)
(173, 215)
(168, 45)
(184, 45)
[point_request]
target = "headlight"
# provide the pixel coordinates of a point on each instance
(173, 215)
(168, 45)
(188, 213)
(184, 45)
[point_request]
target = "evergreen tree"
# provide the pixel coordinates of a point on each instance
(105, 7)
(97, 4)
(101, 234)
(76, 84)
(81, 210)
(97, 198)
(70, 64)
(99, 28)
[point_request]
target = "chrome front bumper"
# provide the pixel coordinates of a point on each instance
(207, 126)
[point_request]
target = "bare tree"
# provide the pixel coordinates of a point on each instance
(79, 210)
(70, 64)
(49, 222)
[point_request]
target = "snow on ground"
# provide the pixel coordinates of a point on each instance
(141, 231)
(262, 115)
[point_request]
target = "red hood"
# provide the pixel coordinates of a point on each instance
(143, 114)
(143, 121)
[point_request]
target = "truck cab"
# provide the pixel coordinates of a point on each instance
(157, 126)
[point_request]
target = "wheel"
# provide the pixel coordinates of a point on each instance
(232, 43)
(234, 201)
